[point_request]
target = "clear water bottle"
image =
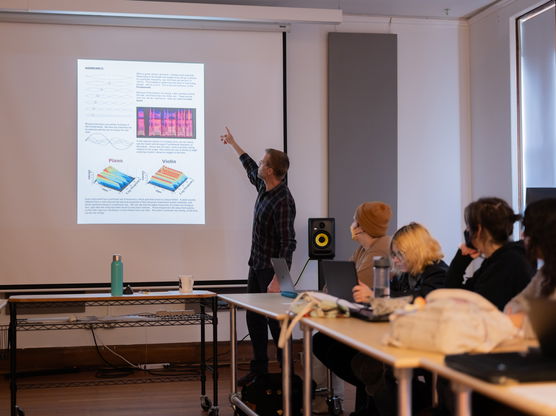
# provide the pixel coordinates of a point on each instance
(117, 275)
(381, 277)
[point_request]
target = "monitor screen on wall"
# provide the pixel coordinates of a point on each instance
(536, 194)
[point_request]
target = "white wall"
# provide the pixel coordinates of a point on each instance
(492, 95)
(432, 132)
(432, 121)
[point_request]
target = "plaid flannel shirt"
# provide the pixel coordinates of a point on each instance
(273, 220)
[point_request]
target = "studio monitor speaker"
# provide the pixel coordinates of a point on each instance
(321, 238)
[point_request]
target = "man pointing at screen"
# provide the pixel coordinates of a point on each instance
(273, 236)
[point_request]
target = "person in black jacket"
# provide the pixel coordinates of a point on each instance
(417, 257)
(505, 270)
(418, 265)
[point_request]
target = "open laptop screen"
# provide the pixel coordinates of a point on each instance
(340, 277)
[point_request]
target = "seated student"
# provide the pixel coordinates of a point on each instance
(503, 274)
(539, 232)
(370, 223)
(369, 227)
(418, 257)
(419, 269)
(505, 271)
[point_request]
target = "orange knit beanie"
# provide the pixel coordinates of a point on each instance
(373, 217)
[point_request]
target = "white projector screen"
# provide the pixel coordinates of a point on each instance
(140, 142)
(41, 241)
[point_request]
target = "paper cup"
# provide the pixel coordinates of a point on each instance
(185, 283)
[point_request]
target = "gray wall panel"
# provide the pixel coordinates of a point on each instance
(362, 127)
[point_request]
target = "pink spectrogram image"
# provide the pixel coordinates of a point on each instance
(177, 123)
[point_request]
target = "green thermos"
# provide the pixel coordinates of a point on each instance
(117, 275)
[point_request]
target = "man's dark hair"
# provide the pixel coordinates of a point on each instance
(492, 214)
(539, 226)
(279, 162)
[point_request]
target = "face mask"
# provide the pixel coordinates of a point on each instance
(354, 233)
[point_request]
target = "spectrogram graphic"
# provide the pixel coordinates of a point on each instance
(168, 178)
(174, 123)
(113, 178)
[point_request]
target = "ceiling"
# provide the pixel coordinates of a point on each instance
(446, 9)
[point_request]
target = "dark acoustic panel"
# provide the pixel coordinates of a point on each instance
(362, 128)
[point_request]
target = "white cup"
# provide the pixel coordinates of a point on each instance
(185, 283)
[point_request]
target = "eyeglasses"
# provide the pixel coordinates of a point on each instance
(397, 254)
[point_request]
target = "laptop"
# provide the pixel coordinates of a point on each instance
(285, 281)
(340, 277)
(534, 365)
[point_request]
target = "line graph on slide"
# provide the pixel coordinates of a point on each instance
(103, 140)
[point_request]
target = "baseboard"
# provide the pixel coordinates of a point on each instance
(51, 359)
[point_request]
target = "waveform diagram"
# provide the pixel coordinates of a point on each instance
(113, 178)
(168, 178)
(116, 142)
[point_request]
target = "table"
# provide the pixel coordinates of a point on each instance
(201, 297)
(363, 336)
(271, 305)
(367, 337)
(534, 398)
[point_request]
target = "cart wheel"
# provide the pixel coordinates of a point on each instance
(205, 403)
(213, 411)
(334, 406)
(19, 411)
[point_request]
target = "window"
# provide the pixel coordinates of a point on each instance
(536, 60)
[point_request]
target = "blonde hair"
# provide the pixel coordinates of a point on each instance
(418, 248)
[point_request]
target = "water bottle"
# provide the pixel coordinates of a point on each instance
(381, 277)
(117, 275)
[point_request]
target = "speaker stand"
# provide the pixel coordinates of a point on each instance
(319, 275)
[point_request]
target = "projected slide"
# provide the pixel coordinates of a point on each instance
(140, 142)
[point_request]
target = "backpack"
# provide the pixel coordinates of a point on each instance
(453, 321)
(264, 395)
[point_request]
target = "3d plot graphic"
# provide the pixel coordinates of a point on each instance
(168, 178)
(114, 179)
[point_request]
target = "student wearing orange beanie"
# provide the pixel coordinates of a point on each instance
(369, 227)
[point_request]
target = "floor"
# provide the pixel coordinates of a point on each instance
(161, 398)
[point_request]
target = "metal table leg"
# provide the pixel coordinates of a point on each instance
(203, 346)
(463, 399)
(404, 376)
(215, 352)
(307, 371)
(233, 352)
(12, 341)
(286, 378)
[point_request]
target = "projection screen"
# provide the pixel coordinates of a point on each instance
(42, 241)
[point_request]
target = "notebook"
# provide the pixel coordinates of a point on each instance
(285, 281)
(534, 365)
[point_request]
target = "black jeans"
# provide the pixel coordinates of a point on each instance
(258, 324)
(337, 357)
